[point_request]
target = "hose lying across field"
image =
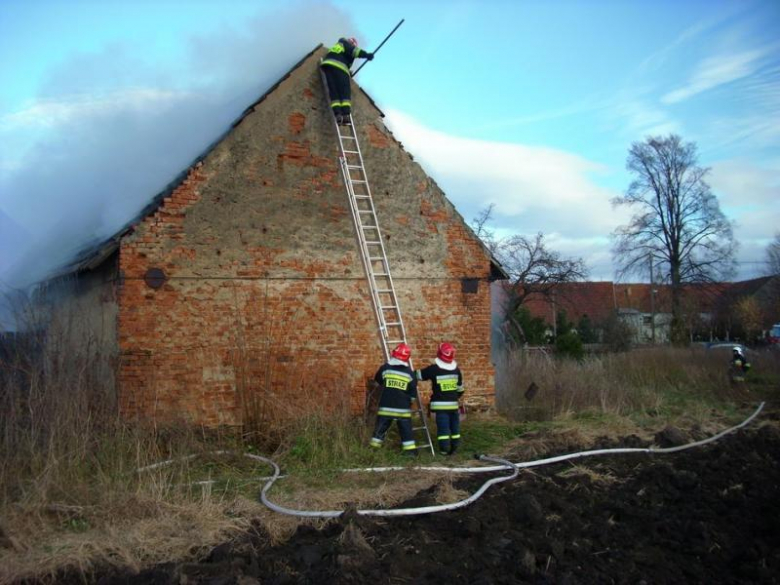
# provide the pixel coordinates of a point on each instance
(503, 465)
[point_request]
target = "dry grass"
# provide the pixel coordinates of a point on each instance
(71, 496)
(656, 381)
(359, 490)
(446, 493)
(177, 531)
(72, 499)
(595, 477)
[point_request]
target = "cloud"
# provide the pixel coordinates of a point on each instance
(581, 106)
(740, 183)
(49, 113)
(715, 71)
(637, 118)
(750, 194)
(524, 182)
(662, 56)
(109, 131)
(533, 188)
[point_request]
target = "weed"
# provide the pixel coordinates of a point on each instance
(657, 382)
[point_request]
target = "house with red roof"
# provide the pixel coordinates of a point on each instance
(709, 309)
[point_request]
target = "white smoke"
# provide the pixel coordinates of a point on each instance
(109, 131)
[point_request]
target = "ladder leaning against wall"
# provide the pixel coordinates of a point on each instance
(372, 252)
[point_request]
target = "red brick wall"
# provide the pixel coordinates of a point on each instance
(266, 306)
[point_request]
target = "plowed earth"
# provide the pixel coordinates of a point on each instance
(706, 515)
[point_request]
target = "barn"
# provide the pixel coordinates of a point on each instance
(242, 283)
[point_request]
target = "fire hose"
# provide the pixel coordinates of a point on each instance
(502, 465)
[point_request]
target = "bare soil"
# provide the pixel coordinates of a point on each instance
(706, 515)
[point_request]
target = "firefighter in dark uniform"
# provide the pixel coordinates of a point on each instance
(336, 66)
(399, 388)
(739, 364)
(447, 384)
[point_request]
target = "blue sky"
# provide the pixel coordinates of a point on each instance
(531, 105)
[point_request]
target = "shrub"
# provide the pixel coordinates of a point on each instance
(618, 334)
(569, 345)
(534, 328)
(586, 330)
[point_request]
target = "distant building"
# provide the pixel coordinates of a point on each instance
(709, 310)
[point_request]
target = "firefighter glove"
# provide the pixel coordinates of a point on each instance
(369, 56)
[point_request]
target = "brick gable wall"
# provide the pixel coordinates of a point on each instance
(265, 302)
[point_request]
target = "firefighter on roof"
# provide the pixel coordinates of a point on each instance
(399, 388)
(336, 66)
(447, 382)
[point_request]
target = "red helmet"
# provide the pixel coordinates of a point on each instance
(402, 352)
(446, 352)
(353, 40)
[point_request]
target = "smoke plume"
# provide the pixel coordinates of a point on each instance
(109, 130)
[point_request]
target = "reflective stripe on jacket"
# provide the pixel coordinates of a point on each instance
(447, 386)
(342, 55)
(399, 388)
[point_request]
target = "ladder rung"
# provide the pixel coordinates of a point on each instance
(363, 196)
(354, 167)
(351, 152)
(381, 274)
(396, 324)
(345, 137)
(385, 290)
(370, 227)
(388, 307)
(365, 211)
(357, 181)
(374, 243)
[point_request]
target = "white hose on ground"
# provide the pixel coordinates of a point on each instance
(381, 512)
(580, 454)
(503, 466)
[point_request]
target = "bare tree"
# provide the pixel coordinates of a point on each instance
(773, 256)
(480, 226)
(677, 220)
(533, 268)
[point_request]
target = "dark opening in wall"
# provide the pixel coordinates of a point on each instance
(470, 286)
(154, 278)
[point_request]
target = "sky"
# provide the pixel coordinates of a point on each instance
(529, 105)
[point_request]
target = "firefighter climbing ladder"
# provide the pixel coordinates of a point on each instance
(372, 251)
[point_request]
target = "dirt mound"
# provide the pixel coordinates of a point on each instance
(707, 515)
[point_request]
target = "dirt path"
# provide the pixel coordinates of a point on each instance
(708, 515)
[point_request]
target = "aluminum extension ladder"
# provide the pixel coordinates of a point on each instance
(372, 251)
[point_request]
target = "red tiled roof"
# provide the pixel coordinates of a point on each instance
(598, 300)
(594, 299)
